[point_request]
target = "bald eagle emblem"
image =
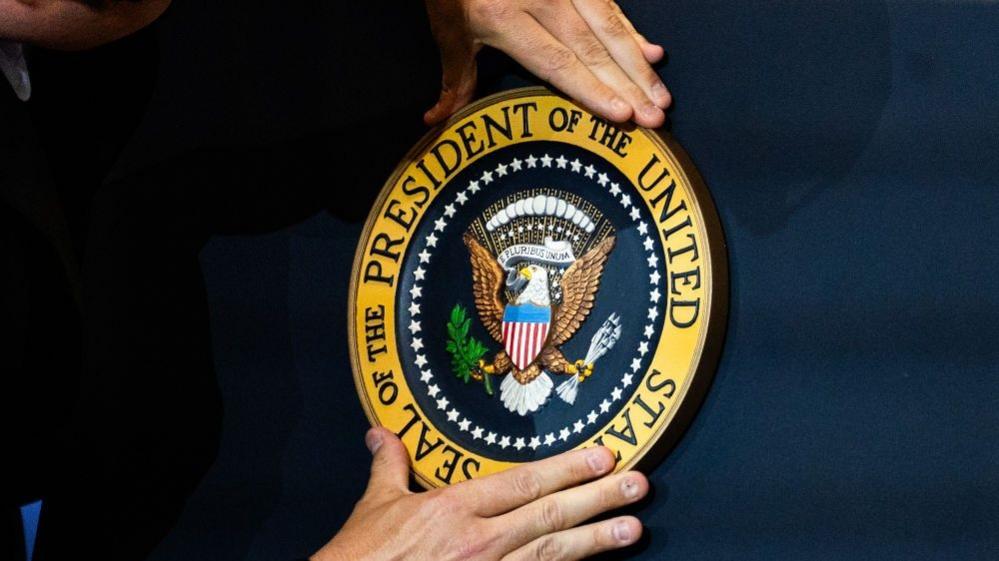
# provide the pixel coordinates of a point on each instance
(532, 293)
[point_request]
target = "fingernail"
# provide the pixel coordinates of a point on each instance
(598, 461)
(373, 440)
(618, 105)
(629, 488)
(660, 92)
(622, 532)
(651, 111)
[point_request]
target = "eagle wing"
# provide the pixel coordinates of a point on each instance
(487, 284)
(579, 289)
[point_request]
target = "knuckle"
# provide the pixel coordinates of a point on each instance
(557, 59)
(548, 548)
(593, 53)
(579, 466)
(527, 484)
(381, 461)
(580, 471)
(552, 517)
(602, 535)
(612, 25)
(620, 14)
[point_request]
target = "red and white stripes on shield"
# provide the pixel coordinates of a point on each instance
(524, 340)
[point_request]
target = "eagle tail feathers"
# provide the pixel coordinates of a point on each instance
(525, 398)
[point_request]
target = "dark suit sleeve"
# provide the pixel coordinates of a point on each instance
(150, 416)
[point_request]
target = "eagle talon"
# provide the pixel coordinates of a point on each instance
(583, 369)
(485, 368)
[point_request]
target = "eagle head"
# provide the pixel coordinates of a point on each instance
(536, 291)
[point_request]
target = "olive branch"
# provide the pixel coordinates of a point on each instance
(465, 351)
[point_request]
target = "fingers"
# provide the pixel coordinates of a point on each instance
(612, 29)
(568, 26)
(653, 53)
(389, 466)
(457, 83)
(582, 542)
(503, 492)
(568, 508)
(586, 48)
(533, 46)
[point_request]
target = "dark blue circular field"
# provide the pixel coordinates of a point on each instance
(625, 289)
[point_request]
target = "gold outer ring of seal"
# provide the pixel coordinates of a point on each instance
(691, 395)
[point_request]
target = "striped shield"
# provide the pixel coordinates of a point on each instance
(525, 329)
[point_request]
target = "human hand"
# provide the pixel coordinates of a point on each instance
(586, 48)
(529, 512)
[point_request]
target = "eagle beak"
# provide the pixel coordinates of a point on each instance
(526, 273)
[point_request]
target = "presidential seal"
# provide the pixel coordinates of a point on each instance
(534, 279)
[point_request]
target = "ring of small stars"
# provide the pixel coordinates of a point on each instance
(458, 418)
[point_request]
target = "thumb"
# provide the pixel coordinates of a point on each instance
(390, 464)
(460, 73)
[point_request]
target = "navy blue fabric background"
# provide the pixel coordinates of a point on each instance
(851, 149)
